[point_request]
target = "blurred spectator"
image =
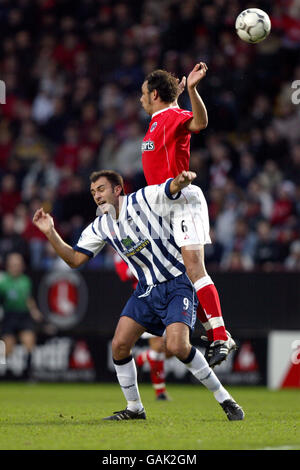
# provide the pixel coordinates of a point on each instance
(266, 253)
(41, 176)
(20, 309)
(67, 153)
(33, 236)
(127, 158)
(263, 197)
(213, 252)
(283, 203)
(5, 148)
(29, 145)
(224, 225)
(10, 195)
(42, 108)
(11, 240)
(292, 262)
(73, 82)
(293, 169)
(236, 261)
(221, 164)
(247, 171)
(270, 176)
(243, 240)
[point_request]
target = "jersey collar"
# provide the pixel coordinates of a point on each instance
(162, 110)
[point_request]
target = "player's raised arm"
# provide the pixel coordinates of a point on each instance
(159, 196)
(181, 87)
(181, 181)
(200, 118)
(45, 223)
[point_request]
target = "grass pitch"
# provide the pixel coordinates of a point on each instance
(68, 416)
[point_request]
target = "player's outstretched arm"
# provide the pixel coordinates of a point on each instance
(181, 87)
(45, 223)
(181, 181)
(200, 118)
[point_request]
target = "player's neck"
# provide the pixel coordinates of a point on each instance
(159, 107)
(119, 206)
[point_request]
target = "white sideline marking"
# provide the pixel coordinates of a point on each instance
(280, 448)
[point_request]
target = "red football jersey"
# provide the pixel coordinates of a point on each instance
(166, 145)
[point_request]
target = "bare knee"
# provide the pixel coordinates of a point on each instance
(178, 347)
(120, 348)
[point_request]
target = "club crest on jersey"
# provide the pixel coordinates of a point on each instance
(153, 126)
(148, 145)
(127, 242)
(134, 248)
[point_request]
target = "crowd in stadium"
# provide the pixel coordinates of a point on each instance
(73, 73)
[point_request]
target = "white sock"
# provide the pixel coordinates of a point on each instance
(156, 356)
(221, 394)
(198, 366)
(127, 377)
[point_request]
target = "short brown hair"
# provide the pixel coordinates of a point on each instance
(165, 83)
(113, 177)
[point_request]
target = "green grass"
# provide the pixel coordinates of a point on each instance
(68, 416)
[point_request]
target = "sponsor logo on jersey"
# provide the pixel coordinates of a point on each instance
(148, 145)
(153, 126)
(134, 248)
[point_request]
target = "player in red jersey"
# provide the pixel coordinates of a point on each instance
(156, 354)
(165, 153)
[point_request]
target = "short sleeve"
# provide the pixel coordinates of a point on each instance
(90, 242)
(159, 197)
(183, 116)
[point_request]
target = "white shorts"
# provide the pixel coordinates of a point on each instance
(191, 221)
(147, 335)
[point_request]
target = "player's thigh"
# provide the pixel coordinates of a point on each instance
(190, 219)
(193, 258)
(128, 331)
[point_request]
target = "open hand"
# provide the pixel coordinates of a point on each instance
(43, 221)
(196, 75)
(181, 85)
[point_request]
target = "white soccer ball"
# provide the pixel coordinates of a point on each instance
(253, 25)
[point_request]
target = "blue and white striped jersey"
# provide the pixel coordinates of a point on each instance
(142, 235)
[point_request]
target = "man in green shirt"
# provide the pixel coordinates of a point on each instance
(19, 307)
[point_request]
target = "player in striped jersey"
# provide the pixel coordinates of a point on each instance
(156, 353)
(139, 228)
(165, 153)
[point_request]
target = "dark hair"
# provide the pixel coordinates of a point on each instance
(165, 83)
(113, 177)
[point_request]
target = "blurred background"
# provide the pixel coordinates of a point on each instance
(73, 73)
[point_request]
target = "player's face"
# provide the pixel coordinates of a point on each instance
(146, 100)
(15, 265)
(105, 196)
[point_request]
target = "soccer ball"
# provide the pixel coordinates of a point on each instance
(253, 25)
